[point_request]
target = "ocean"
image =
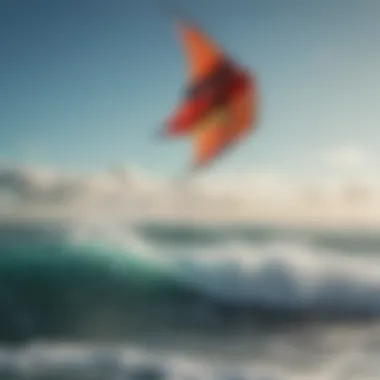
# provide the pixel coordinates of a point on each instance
(155, 300)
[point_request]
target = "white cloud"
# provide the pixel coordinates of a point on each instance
(353, 172)
(256, 196)
(347, 158)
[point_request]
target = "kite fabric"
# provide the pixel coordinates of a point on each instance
(220, 105)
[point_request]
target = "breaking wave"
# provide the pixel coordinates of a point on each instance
(90, 283)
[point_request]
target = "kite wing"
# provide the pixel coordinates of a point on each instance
(224, 127)
(220, 105)
(202, 54)
(210, 136)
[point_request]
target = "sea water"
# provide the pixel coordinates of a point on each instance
(176, 301)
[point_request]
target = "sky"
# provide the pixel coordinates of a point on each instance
(85, 85)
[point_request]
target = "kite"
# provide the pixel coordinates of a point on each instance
(220, 104)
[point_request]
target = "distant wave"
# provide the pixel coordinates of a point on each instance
(91, 286)
(344, 241)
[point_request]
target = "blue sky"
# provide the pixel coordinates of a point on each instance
(85, 84)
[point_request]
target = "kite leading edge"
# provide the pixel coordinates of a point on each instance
(220, 104)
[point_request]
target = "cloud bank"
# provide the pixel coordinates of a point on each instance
(342, 194)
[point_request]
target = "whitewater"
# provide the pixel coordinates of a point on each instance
(85, 300)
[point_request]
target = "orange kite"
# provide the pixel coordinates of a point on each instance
(220, 105)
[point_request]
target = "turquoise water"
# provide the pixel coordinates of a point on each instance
(210, 296)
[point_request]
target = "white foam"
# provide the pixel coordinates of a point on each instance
(279, 273)
(120, 362)
(282, 273)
